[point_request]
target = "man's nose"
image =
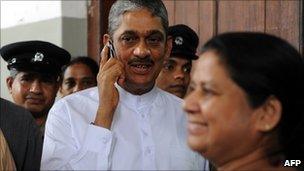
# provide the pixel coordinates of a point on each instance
(179, 74)
(35, 87)
(142, 50)
(78, 87)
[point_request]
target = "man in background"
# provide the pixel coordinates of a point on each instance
(79, 74)
(126, 122)
(175, 74)
(34, 75)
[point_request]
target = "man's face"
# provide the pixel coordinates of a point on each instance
(75, 78)
(175, 76)
(33, 91)
(140, 44)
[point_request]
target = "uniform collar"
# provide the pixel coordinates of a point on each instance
(136, 101)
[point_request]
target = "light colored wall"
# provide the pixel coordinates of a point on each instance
(63, 23)
(14, 13)
(48, 30)
(74, 9)
(4, 73)
(74, 35)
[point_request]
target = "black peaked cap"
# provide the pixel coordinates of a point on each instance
(36, 56)
(184, 41)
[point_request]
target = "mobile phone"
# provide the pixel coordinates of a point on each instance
(111, 50)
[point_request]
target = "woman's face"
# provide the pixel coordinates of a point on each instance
(220, 123)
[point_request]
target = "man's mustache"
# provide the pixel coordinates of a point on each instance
(146, 60)
(34, 96)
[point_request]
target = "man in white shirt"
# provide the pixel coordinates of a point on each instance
(126, 122)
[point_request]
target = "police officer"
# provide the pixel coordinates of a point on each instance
(175, 75)
(34, 69)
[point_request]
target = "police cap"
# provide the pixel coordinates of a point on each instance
(35, 56)
(184, 41)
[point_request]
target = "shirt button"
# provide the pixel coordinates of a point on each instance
(104, 140)
(145, 133)
(148, 151)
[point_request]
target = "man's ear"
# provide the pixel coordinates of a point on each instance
(105, 39)
(60, 90)
(168, 46)
(9, 84)
(268, 115)
(58, 85)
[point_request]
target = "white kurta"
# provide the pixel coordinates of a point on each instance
(148, 132)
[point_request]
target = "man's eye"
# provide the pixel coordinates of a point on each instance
(187, 69)
(88, 83)
(128, 39)
(168, 67)
(69, 84)
(153, 40)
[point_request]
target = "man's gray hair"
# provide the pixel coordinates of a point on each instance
(156, 7)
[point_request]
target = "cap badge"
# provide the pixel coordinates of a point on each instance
(38, 57)
(179, 40)
(14, 60)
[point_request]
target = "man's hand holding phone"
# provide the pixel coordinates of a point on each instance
(110, 70)
(111, 52)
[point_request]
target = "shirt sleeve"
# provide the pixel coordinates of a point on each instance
(62, 150)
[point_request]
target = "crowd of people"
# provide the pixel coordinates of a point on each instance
(142, 107)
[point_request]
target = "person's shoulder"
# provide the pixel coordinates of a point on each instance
(169, 97)
(89, 92)
(16, 116)
(169, 101)
(77, 100)
(171, 105)
(9, 109)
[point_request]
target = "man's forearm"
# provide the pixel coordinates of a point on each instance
(104, 118)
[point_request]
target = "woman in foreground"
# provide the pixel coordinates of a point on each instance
(245, 106)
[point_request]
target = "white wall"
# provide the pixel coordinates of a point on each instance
(15, 13)
(74, 9)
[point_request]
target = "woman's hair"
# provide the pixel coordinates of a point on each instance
(82, 60)
(264, 65)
